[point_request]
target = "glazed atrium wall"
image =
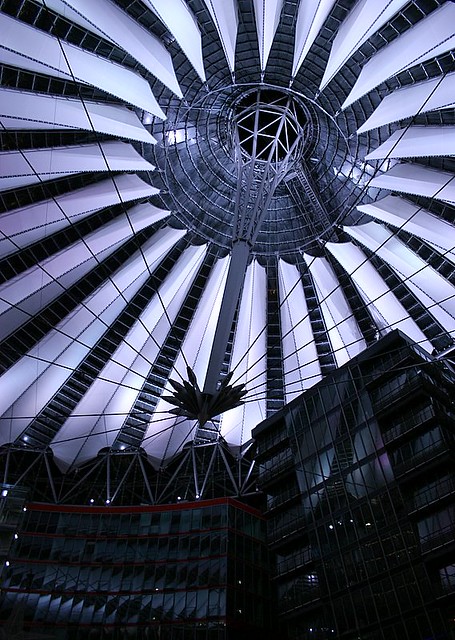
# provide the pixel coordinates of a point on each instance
(359, 477)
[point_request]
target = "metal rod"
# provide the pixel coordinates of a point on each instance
(146, 480)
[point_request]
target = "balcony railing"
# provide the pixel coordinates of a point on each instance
(286, 529)
(409, 424)
(422, 456)
(280, 466)
(297, 560)
(386, 397)
(438, 539)
(432, 493)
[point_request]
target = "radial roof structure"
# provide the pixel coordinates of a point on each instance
(191, 189)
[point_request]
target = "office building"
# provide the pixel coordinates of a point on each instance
(185, 570)
(359, 477)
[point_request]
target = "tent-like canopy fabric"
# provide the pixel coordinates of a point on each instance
(125, 179)
(24, 167)
(22, 110)
(32, 49)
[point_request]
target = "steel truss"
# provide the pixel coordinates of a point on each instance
(127, 477)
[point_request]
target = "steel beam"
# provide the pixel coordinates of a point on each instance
(232, 291)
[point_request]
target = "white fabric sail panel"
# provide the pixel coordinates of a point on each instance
(60, 6)
(437, 93)
(267, 16)
(344, 333)
(418, 180)
(225, 18)
(37, 376)
(22, 168)
(107, 20)
(35, 50)
(21, 227)
(366, 17)
(300, 358)
(103, 409)
(431, 37)
(167, 435)
(29, 292)
(17, 60)
(310, 18)
(22, 110)
(249, 359)
(417, 142)
(433, 291)
(381, 302)
(177, 17)
(406, 215)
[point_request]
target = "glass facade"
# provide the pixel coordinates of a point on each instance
(194, 570)
(359, 480)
